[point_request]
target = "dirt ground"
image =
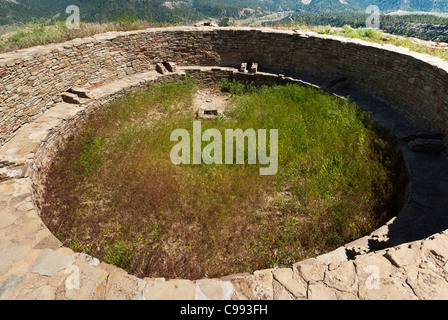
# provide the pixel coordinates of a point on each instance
(209, 99)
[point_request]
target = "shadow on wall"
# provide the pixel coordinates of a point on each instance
(425, 206)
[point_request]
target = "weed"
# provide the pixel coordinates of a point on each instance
(119, 254)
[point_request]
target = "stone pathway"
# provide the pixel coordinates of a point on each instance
(34, 265)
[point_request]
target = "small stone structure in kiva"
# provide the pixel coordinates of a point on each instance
(46, 93)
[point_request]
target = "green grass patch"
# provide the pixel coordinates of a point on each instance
(114, 193)
(378, 36)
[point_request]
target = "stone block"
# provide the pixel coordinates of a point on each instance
(171, 290)
(206, 24)
(170, 66)
(253, 68)
(10, 285)
(404, 256)
(80, 92)
(6, 218)
(245, 286)
(311, 270)
(426, 284)
(122, 286)
(9, 253)
(160, 68)
(213, 289)
(338, 255)
(72, 98)
(292, 283)
(280, 293)
(45, 292)
(342, 278)
(86, 283)
(319, 291)
(243, 67)
(265, 283)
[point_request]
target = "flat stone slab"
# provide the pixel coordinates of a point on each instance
(45, 292)
(10, 285)
(86, 283)
(51, 262)
(6, 218)
(171, 290)
(9, 253)
(213, 289)
(294, 284)
(121, 286)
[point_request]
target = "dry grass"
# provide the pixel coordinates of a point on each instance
(40, 34)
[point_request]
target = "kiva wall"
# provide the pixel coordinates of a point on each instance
(32, 80)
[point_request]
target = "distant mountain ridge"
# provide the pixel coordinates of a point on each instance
(21, 11)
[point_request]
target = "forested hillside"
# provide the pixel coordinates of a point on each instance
(97, 10)
(407, 5)
(357, 19)
(22, 11)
